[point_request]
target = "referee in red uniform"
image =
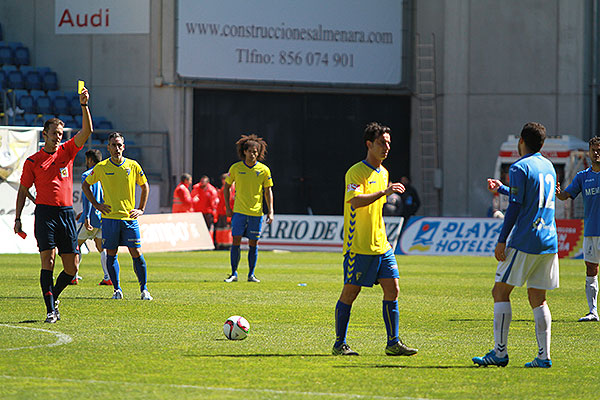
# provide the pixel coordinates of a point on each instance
(51, 171)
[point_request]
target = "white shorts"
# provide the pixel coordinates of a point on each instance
(591, 249)
(84, 234)
(540, 271)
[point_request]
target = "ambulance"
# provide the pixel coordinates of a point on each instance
(569, 156)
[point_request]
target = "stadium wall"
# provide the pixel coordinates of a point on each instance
(499, 64)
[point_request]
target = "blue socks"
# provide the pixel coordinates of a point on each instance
(252, 258)
(139, 266)
(391, 317)
(235, 259)
(112, 265)
(342, 317)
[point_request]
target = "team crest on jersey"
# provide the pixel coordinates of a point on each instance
(64, 172)
(127, 171)
(352, 187)
(257, 173)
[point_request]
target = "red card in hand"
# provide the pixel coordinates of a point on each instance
(22, 234)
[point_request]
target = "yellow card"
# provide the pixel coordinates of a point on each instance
(80, 86)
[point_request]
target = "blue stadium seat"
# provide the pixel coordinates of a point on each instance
(17, 120)
(55, 93)
(44, 104)
(14, 45)
(50, 80)
(16, 80)
(46, 117)
(78, 120)
(6, 54)
(1, 33)
(96, 119)
(30, 119)
(33, 80)
(26, 103)
(37, 93)
(60, 105)
(2, 79)
(74, 103)
(104, 125)
(68, 120)
(9, 67)
(21, 55)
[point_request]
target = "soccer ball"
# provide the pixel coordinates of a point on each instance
(236, 328)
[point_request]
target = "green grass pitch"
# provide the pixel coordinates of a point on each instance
(174, 347)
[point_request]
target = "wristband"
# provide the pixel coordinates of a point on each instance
(83, 105)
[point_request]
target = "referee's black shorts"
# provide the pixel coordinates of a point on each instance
(55, 227)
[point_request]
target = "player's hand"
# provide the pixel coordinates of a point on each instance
(499, 252)
(87, 225)
(269, 217)
(395, 188)
(229, 212)
(103, 208)
(493, 185)
(18, 227)
(84, 96)
(558, 190)
(136, 212)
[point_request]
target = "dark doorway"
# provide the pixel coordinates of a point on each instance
(313, 139)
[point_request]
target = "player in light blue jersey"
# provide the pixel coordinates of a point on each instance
(90, 219)
(530, 255)
(587, 182)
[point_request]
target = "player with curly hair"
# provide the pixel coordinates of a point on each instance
(252, 181)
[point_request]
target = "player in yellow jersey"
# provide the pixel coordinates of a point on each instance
(252, 181)
(368, 256)
(120, 227)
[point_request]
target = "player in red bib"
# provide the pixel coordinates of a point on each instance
(51, 171)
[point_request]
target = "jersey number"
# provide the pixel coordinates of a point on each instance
(549, 201)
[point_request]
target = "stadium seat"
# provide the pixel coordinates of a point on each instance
(21, 55)
(33, 80)
(74, 103)
(46, 117)
(44, 104)
(50, 80)
(6, 54)
(96, 119)
(54, 94)
(1, 33)
(16, 80)
(60, 105)
(30, 119)
(26, 102)
(18, 120)
(8, 68)
(37, 93)
(68, 120)
(104, 125)
(2, 79)
(78, 120)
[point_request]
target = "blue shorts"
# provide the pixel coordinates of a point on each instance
(120, 232)
(366, 270)
(55, 227)
(246, 225)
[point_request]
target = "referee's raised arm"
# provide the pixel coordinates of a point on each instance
(86, 120)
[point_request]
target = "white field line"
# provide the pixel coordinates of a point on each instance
(209, 388)
(61, 338)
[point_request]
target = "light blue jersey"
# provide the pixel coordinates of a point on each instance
(88, 211)
(532, 185)
(587, 182)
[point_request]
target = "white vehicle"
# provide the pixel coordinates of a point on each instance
(569, 156)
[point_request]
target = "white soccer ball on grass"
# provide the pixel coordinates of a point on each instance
(236, 328)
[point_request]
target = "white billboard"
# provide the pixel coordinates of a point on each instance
(316, 41)
(101, 16)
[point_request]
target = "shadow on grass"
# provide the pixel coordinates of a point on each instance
(562, 321)
(405, 366)
(255, 355)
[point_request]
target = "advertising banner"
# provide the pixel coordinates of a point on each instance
(75, 17)
(160, 232)
(475, 237)
(314, 232)
(334, 41)
(16, 144)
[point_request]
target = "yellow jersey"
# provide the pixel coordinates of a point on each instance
(118, 183)
(364, 229)
(249, 184)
